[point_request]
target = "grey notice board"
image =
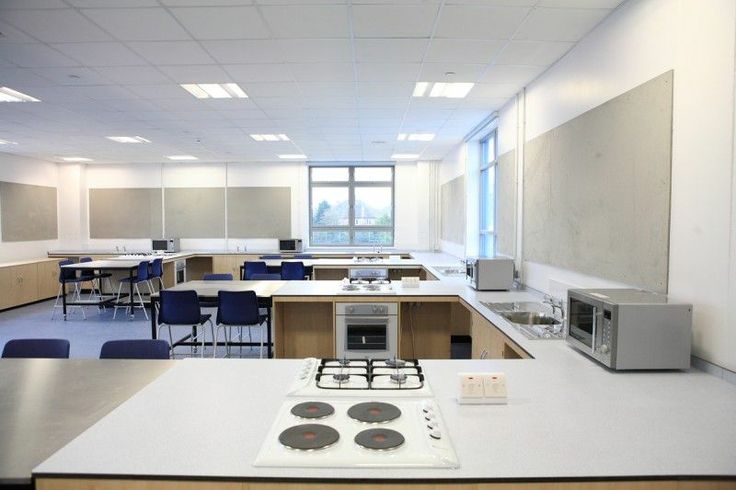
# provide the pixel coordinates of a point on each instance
(597, 189)
(195, 212)
(125, 213)
(28, 212)
(506, 204)
(258, 212)
(452, 210)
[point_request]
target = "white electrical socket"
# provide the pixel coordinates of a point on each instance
(482, 388)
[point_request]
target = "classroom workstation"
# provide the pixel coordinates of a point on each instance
(307, 244)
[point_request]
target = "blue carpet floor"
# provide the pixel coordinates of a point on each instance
(87, 336)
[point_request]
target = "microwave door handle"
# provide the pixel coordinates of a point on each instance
(595, 327)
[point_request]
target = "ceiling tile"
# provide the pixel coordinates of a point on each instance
(259, 72)
(519, 75)
(204, 3)
(151, 24)
(468, 22)
(19, 78)
(492, 90)
(13, 35)
(307, 21)
(137, 75)
(589, 4)
(385, 89)
(271, 89)
(72, 76)
(172, 52)
(388, 72)
(322, 72)
(196, 74)
(55, 26)
(222, 22)
(451, 72)
(316, 50)
(167, 91)
(390, 50)
(532, 53)
(463, 50)
(553, 24)
(100, 54)
(33, 55)
(253, 51)
(393, 21)
(325, 89)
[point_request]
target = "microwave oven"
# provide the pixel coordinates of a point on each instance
(290, 245)
(626, 329)
(166, 245)
(490, 273)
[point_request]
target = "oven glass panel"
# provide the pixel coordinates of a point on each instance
(364, 337)
(582, 319)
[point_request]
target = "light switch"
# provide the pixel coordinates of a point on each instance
(471, 386)
(482, 388)
(494, 385)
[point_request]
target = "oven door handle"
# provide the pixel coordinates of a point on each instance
(371, 320)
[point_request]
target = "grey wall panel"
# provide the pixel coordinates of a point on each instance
(125, 213)
(259, 212)
(28, 212)
(195, 212)
(452, 210)
(506, 204)
(597, 189)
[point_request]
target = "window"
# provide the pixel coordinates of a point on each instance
(488, 151)
(351, 206)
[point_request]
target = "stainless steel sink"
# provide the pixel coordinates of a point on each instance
(451, 270)
(530, 318)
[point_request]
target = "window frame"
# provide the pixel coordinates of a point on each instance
(352, 184)
(485, 165)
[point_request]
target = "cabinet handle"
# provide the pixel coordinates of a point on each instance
(484, 354)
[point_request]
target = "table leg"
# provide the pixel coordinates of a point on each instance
(131, 304)
(269, 350)
(154, 330)
(63, 295)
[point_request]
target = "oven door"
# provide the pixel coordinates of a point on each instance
(366, 337)
(583, 323)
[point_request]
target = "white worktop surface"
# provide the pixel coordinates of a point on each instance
(567, 416)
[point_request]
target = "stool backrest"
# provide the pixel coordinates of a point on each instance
(66, 274)
(135, 349)
(292, 271)
(157, 267)
(218, 277)
(143, 271)
(37, 348)
(250, 268)
(237, 308)
(179, 308)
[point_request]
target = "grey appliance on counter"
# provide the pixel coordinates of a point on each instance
(291, 245)
(490, 273)
(166, 245)
(626, 329)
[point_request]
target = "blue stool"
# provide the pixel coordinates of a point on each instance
(135, 349)
(37, 348)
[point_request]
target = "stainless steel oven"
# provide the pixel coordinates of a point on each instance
(366, 330)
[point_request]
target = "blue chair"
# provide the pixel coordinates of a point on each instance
(292, 271)
(238, 309)
(94, 277)
(303, 256)
(135, 349)
(250, 268)
(271, 257)
(37, 348)
(182, 308)
(68, 277)
(157, 272)
(140, 277)
(266, 277)
(218, 277)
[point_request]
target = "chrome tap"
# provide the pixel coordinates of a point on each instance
(555, 304)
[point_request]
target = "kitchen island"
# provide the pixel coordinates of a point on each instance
(567, 419)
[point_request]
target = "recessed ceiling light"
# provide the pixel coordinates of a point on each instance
(181, 158)
(10, 95)
(128, 139)
(415, 137)
(215, 90)
(76, 159)
(450, 90)
(404, 156)
(6, 142)
(293, 156)
(270, 137)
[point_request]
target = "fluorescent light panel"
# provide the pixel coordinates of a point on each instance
(128, 139)
(76, 159)
(450, 90)
(293, 156)
(181, 158)
(215, 90)
(7, 142)
(10, 95)
(415, 137)
(270, 137)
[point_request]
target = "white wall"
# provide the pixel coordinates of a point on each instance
(639, 41)
(24, 170)
(451, 167)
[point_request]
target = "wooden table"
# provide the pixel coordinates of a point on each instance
(207, 290)
(45, 403)
(131, 266)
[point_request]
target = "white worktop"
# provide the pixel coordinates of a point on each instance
(332, 288)
(567, 416)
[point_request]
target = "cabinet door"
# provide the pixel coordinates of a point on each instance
(48, 279)
(27, 280)
(480, 332)
(6, 287)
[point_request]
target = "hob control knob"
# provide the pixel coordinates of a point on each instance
(435, 434)
(604, 348)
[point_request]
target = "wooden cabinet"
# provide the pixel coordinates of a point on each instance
(23, 283)
(230, 264)
(490, 343)
(48, 279)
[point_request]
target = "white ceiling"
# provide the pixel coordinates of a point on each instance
(335, 75)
